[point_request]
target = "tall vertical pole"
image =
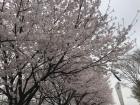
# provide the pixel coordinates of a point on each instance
(119, 93)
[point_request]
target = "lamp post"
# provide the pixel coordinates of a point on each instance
(119, 93)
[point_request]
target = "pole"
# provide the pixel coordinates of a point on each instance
(119, 93)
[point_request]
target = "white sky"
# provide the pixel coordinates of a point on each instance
(126, 9)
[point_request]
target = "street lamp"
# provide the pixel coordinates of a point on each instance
(119, 93)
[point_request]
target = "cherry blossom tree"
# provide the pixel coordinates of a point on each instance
(42, 39)
(84, 88)
(92, 88)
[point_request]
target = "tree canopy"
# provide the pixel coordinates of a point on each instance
(43, 40)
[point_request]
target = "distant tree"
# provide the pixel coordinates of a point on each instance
(85, 88)
(47, 39)
(129, 67)
(130, 71)
(136, 90)
(136, 72)
(92, 88)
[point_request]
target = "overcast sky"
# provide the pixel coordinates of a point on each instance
(126, 9)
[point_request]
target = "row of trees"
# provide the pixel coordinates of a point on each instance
(58, 52)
